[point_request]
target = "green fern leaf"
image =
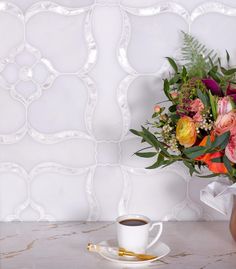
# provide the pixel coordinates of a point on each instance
(196, 57)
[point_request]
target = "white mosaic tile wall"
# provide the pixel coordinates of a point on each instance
(75, 76)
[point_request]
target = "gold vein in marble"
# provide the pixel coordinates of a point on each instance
(98, 228)
(183, 254)
(8, 236)
(12, 254)
(54, 237)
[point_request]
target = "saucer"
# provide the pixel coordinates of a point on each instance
(159, 250)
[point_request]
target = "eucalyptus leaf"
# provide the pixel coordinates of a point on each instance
(203, 97)
(213, 103)
(146, 154)
(149, 147)
(172, 108)
(191, 167)
(167, 163)
(135, 132)
(155, 114)
(217, 160)
(208, 143)
(227, 164)
(160, 158)
(195, 152)
(174, 117)
(209, 176)
(184, 73)
(227, 56)
(155, 165)
(193, 149)
(221, 140)
(174, 79)
(167, 88)
(173, 64)
(149, 137)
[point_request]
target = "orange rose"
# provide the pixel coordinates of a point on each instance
(226, 122)
(186, 131)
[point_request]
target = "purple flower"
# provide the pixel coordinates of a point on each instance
(213, 86)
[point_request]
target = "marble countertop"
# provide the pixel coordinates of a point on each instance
(62, 245)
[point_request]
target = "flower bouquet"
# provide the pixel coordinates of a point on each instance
(198, 125)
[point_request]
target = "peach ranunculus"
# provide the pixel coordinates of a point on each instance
(186, 132)
(226, 122)
(225, 105)
(230, 150)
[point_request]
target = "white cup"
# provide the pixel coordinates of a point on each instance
(136, 238)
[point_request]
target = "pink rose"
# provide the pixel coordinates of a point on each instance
(226, 122)
(198, 117)
(196, 106)
(230, 150)
(224, 105)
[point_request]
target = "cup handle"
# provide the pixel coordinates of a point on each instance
(158, 234)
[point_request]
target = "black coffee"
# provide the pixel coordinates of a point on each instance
(133, 222)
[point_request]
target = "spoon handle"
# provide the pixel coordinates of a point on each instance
(119, 252)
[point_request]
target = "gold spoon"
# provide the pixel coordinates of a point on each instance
(119, 252)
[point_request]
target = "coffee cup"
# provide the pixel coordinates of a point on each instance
(133, 232)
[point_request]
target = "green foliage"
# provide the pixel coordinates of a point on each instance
(191, 167)
(210, 176)
(227, 57)
(165, 158)
(146, 154)
(196, 56)
(167, 88)
(213, 102)
(184, 86)
(195, 152)
(172, 108)
(228, 165)
(173, 64)
(203, 97)
(218, 144)
(221, 141)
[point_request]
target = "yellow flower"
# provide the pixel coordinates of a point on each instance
(186, 131)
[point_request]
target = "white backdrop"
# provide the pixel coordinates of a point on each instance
(75, 76)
